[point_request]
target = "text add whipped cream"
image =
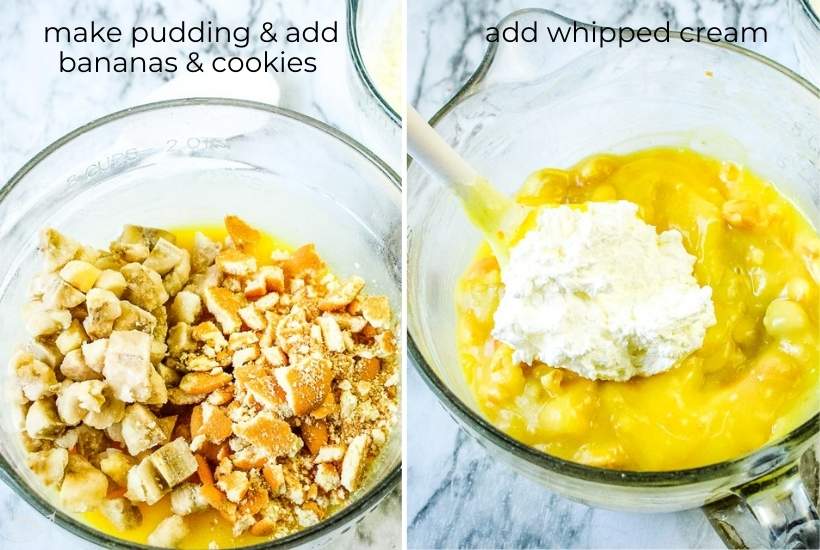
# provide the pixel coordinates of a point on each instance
(599, 292)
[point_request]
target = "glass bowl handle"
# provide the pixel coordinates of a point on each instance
(775, 511)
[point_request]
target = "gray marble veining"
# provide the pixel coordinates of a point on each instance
(457, 496)
(40, 105)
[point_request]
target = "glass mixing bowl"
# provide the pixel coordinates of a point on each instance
(367, 23)
(191, 161)
(547, 104)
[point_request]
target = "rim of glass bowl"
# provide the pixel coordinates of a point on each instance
(359, 64)
(456, 406)
(811, 12)
(352, 512)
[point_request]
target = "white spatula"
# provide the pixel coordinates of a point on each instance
(494, 213)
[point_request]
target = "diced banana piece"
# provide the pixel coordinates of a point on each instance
(84, 487)
(180, 340)
(121, 513)
(103, 309)
(145, 484)
(111, 411)
(141, 429)
(159, 392)
(58, 294)
(163, 257)
(43, 321)
(116, 464)
(94, 354)
(71, 338)
(172, 263)
(135, 242)
(112, 281)
(76, 399)
(83, 440)
(128, 365)
(42, 420)
(57, 249)
(169, 532)
(187, 499)
(186, 307)
(81, 275)
(205, 253)
(45, 351)
(171, 376)
(75, 368)
(144, 287)
(35, 378)
(152, 478)
(49, 465)
(135, 318)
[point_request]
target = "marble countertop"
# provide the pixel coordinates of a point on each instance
(457, 496)
(40, 105)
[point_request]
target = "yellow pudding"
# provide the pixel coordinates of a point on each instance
(756, 375)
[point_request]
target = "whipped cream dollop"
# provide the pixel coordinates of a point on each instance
(598, 291)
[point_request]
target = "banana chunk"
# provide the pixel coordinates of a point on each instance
(75, 368)
(174, 462)
(186, 307)
(164, 257)
(144, 287)
(205, 253)
(49, 465)
(79, 274)
(145, 484)
(128, 365)
(71, 338)
(57, 249)
(169, 532)
(84, 487)
(159, 472)
(187, 499)
(35, 378)
(58, 294)
(122, 513)
(42, 420)
(111, 280)
(76, 399)
(135, 318)
(141, 429)
(116, 465)
(103, 308)
(40, 320)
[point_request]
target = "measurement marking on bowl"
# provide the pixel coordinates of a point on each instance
(123, 159)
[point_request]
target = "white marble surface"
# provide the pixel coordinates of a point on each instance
(457, 497)
(40, 105)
